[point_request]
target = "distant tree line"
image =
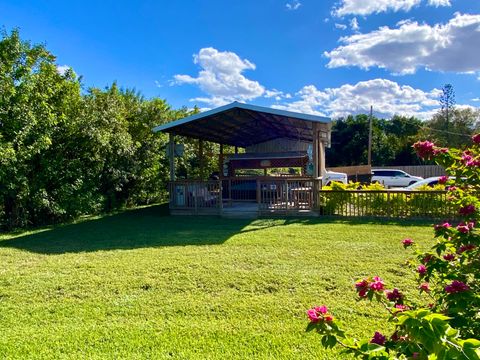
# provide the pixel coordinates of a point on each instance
(67, 151)
(393, 138)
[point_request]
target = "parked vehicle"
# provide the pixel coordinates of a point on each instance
(431, 181)
(393, 178)
(334, 176)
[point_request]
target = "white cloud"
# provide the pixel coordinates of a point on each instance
(354, 24)
(367, 7)
(476, 99)
(340, 26)
(293, 5)
(62, 69)
(453, 47)
(221, 78)
(438, 3)
(387, 97)
(276, 94)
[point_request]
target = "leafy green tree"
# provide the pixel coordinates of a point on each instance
(391, 141)
(64, 153)
(36, 102)
(461, 125)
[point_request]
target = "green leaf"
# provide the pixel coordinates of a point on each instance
(311, 326)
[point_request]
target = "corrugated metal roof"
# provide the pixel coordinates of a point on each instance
(262, 156)
(243, 125)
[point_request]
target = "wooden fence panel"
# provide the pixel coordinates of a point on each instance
(424, 171)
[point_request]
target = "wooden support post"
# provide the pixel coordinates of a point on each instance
(220, 196)
(321, 155)
(236, 149)
(315, 150)
(201, 160)
(258, 192)
(220, 162)
(286, 195)
(171, 154)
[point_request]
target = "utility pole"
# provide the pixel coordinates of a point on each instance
(370, 137)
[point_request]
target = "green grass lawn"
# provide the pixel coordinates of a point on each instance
(144, 285)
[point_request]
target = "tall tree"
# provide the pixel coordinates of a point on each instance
(447, 102)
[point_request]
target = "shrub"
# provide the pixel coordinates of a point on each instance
(445, 322)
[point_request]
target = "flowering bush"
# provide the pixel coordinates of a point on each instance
(445, 323)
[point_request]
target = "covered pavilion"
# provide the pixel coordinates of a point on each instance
(271, 138)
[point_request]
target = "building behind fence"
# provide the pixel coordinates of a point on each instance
(361, 172)
(424, 171)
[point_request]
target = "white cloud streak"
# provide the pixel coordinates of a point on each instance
(367, 7)
(293, 5)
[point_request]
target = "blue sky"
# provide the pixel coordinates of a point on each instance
(323, 57)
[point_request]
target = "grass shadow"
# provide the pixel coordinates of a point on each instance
(139, 228)
(352, 221)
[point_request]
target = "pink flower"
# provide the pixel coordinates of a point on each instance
(427, 258)
(312, 315)
(442, 179)
(377, 284)
(407, 242)
(421, 269)
(440, 151)
(378, 339)
(362, 293)
(424, 287)
(449, 257)
(442, 226)
(328, 318)
(394, 295)
(466, 157)
(424, 149)
(319, 313)
(467, 210)
(468, 247)
(476, 138)
(321, 309)
(400, 307)
(463, 229)
(456, 287)
(362, 287)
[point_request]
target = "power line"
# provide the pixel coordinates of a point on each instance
(446, 131)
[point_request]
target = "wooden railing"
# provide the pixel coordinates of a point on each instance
(270, 193)
(288, 195)
(388, 203)
(195, 195)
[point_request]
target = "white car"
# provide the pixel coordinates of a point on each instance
(431, 181)
(334, 176)
(393, 178)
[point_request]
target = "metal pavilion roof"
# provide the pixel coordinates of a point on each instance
(243, 125)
